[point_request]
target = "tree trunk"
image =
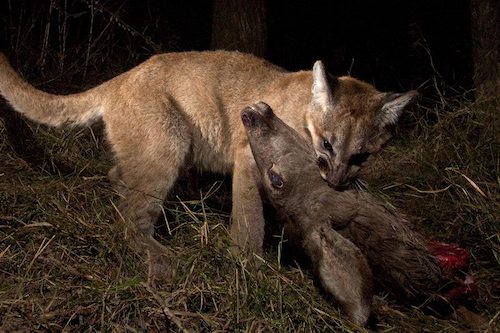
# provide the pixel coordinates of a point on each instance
(240, 25)
(485, 26)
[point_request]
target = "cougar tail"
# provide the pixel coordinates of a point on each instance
(54, 110)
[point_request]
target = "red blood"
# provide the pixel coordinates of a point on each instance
(451, 257)
(466, 287)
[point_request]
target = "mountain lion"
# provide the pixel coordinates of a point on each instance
(183, 108)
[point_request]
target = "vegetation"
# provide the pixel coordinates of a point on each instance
(65, 266)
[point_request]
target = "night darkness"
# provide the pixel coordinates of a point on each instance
(383, 41)
(68, 262)
(397, 45)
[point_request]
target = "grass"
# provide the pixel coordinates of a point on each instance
(64, 265)
(450, 168)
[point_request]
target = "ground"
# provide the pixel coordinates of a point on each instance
(64, 264)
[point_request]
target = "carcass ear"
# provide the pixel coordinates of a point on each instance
(393, 107)
(322, 86)
(341, 270)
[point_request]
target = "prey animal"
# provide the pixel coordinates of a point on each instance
(182, 109)
(341, 232)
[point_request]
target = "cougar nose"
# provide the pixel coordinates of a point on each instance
(337, 176)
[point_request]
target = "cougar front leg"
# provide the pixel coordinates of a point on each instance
(247, 228)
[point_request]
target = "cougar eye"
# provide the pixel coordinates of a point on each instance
(358, 159)
(276, 180)
(327, 146)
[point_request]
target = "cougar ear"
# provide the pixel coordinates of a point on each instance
(393, 107)
(322, 86)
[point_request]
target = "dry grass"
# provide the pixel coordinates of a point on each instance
(64, 265)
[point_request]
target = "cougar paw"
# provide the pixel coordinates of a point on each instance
(160, 266)
(158, 259)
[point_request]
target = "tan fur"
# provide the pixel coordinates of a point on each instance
(183, 108)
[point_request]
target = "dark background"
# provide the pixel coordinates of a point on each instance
(397, 45)
(383, 42)
(69, 45)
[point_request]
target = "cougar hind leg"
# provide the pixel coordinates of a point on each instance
(147, 168)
